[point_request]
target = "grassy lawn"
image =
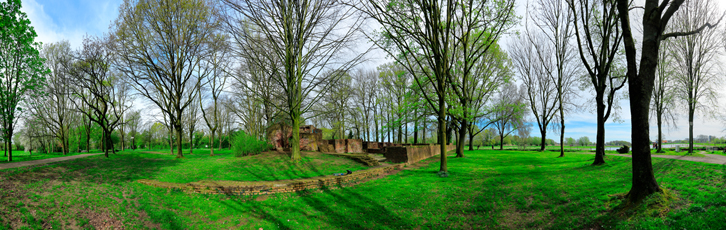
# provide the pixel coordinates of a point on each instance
(486, 190)
(225, 166)
(550, 148)
(19, 156)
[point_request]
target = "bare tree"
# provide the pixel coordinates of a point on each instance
(52, 108)
(509, 111)
(133, 121)
(306, 38)
(191, 118)
(96, 86)
(698, 77)
(124, 97)
(535, 73)
(161, 56)
(598, 42)
(656, 15)
(365, 91)
(554, 33)
(218, 61)
(664, 95)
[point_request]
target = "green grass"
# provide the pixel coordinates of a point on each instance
(19, 155)
(264, 167)
(486, 190)
(549, 148)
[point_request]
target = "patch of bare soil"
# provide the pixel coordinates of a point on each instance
(102, 220)
(262, 197)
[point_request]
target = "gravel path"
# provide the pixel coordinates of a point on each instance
(709, 158)
(44, 161)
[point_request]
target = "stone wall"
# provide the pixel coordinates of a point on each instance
(341, 146)
(271, 187)
(279, 136)
(338, 145)
(413, 153)
(353, 145)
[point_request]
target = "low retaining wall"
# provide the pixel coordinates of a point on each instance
(413, 154)
(271, 187)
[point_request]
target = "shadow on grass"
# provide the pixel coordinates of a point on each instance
(340, 207)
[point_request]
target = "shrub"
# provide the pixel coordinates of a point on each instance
(245, 144)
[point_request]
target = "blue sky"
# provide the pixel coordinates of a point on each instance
(56, 20)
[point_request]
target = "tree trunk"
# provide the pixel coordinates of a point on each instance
(423, 134)
(88, 136)
(123, 141)
(471, 140)
(448, 134)
(400, 133)
(543, 141)
(179, 134)
(295, 145)
(658, 117)
(690, 124)
(110, 143)
(460, 140)
(644, 182)
(415, 131)
(600, 142)
(375, 121)
(191, 140)
(442, 134)
(9, 141)
(562, 129)
(501, 141)
(211, 143)
(104, 142)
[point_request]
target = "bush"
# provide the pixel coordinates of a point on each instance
(624, 149)
(245, 144)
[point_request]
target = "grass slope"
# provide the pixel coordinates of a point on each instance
(486, 190)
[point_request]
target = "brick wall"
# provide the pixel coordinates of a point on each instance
(413, 153)
(338, 145)
(353, 145)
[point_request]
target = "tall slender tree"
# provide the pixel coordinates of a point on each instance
(664, 95)
(98, 87)
(599, 38)
(696, 56)
(21, 67)
(52, 108)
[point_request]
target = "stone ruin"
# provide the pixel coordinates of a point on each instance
(279, 136)
(311, 139)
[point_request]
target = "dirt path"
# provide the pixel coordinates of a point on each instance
(709, 158)
(44, 161)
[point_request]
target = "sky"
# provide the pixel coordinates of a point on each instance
(57, 20)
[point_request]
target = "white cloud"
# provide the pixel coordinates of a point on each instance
(48, 31)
